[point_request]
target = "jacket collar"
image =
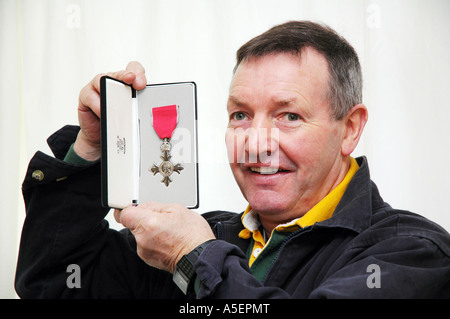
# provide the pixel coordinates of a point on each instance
(354, 211)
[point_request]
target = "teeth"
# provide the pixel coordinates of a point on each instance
(264, 170)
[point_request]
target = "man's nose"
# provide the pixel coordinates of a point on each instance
(262, 142)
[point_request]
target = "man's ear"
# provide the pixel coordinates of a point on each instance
(354, 121)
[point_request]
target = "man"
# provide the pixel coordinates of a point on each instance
(315, 227)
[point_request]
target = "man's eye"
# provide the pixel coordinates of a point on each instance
(238, 116)
(292, 117)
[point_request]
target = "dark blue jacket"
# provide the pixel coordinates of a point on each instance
(366, 250)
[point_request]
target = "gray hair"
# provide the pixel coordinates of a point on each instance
(345, 81)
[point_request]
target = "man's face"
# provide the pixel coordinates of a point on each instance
(283, 145)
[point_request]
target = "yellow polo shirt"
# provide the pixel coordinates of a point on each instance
(320, 212)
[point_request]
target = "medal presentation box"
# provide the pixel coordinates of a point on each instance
(149, 144)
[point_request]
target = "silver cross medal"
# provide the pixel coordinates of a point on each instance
(166, 168)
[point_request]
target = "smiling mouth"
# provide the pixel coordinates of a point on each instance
(266, 170)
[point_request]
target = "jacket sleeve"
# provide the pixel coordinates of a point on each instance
(223, 273)
(67, 249)
(406, 266)
(402, 255)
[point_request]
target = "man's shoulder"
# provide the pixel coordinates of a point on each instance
(393, 223)
(222, 216)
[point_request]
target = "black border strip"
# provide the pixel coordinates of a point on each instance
(103, 142)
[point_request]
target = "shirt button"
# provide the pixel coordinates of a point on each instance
(256, 252)
(38, 175)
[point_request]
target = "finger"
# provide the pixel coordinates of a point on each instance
(138, 81)
(136, 218)
(90, 94)
(135, 67)
(157, 207)
(117, 213)
(94, 85)
(89, 100)
(141, 80)
(132, 217)
(125, 76)
(134, 74)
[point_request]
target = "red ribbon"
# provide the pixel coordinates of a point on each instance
(164, 120)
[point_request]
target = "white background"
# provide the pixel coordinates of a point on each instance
(50, 49)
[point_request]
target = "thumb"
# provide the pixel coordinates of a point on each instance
(131, 217)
